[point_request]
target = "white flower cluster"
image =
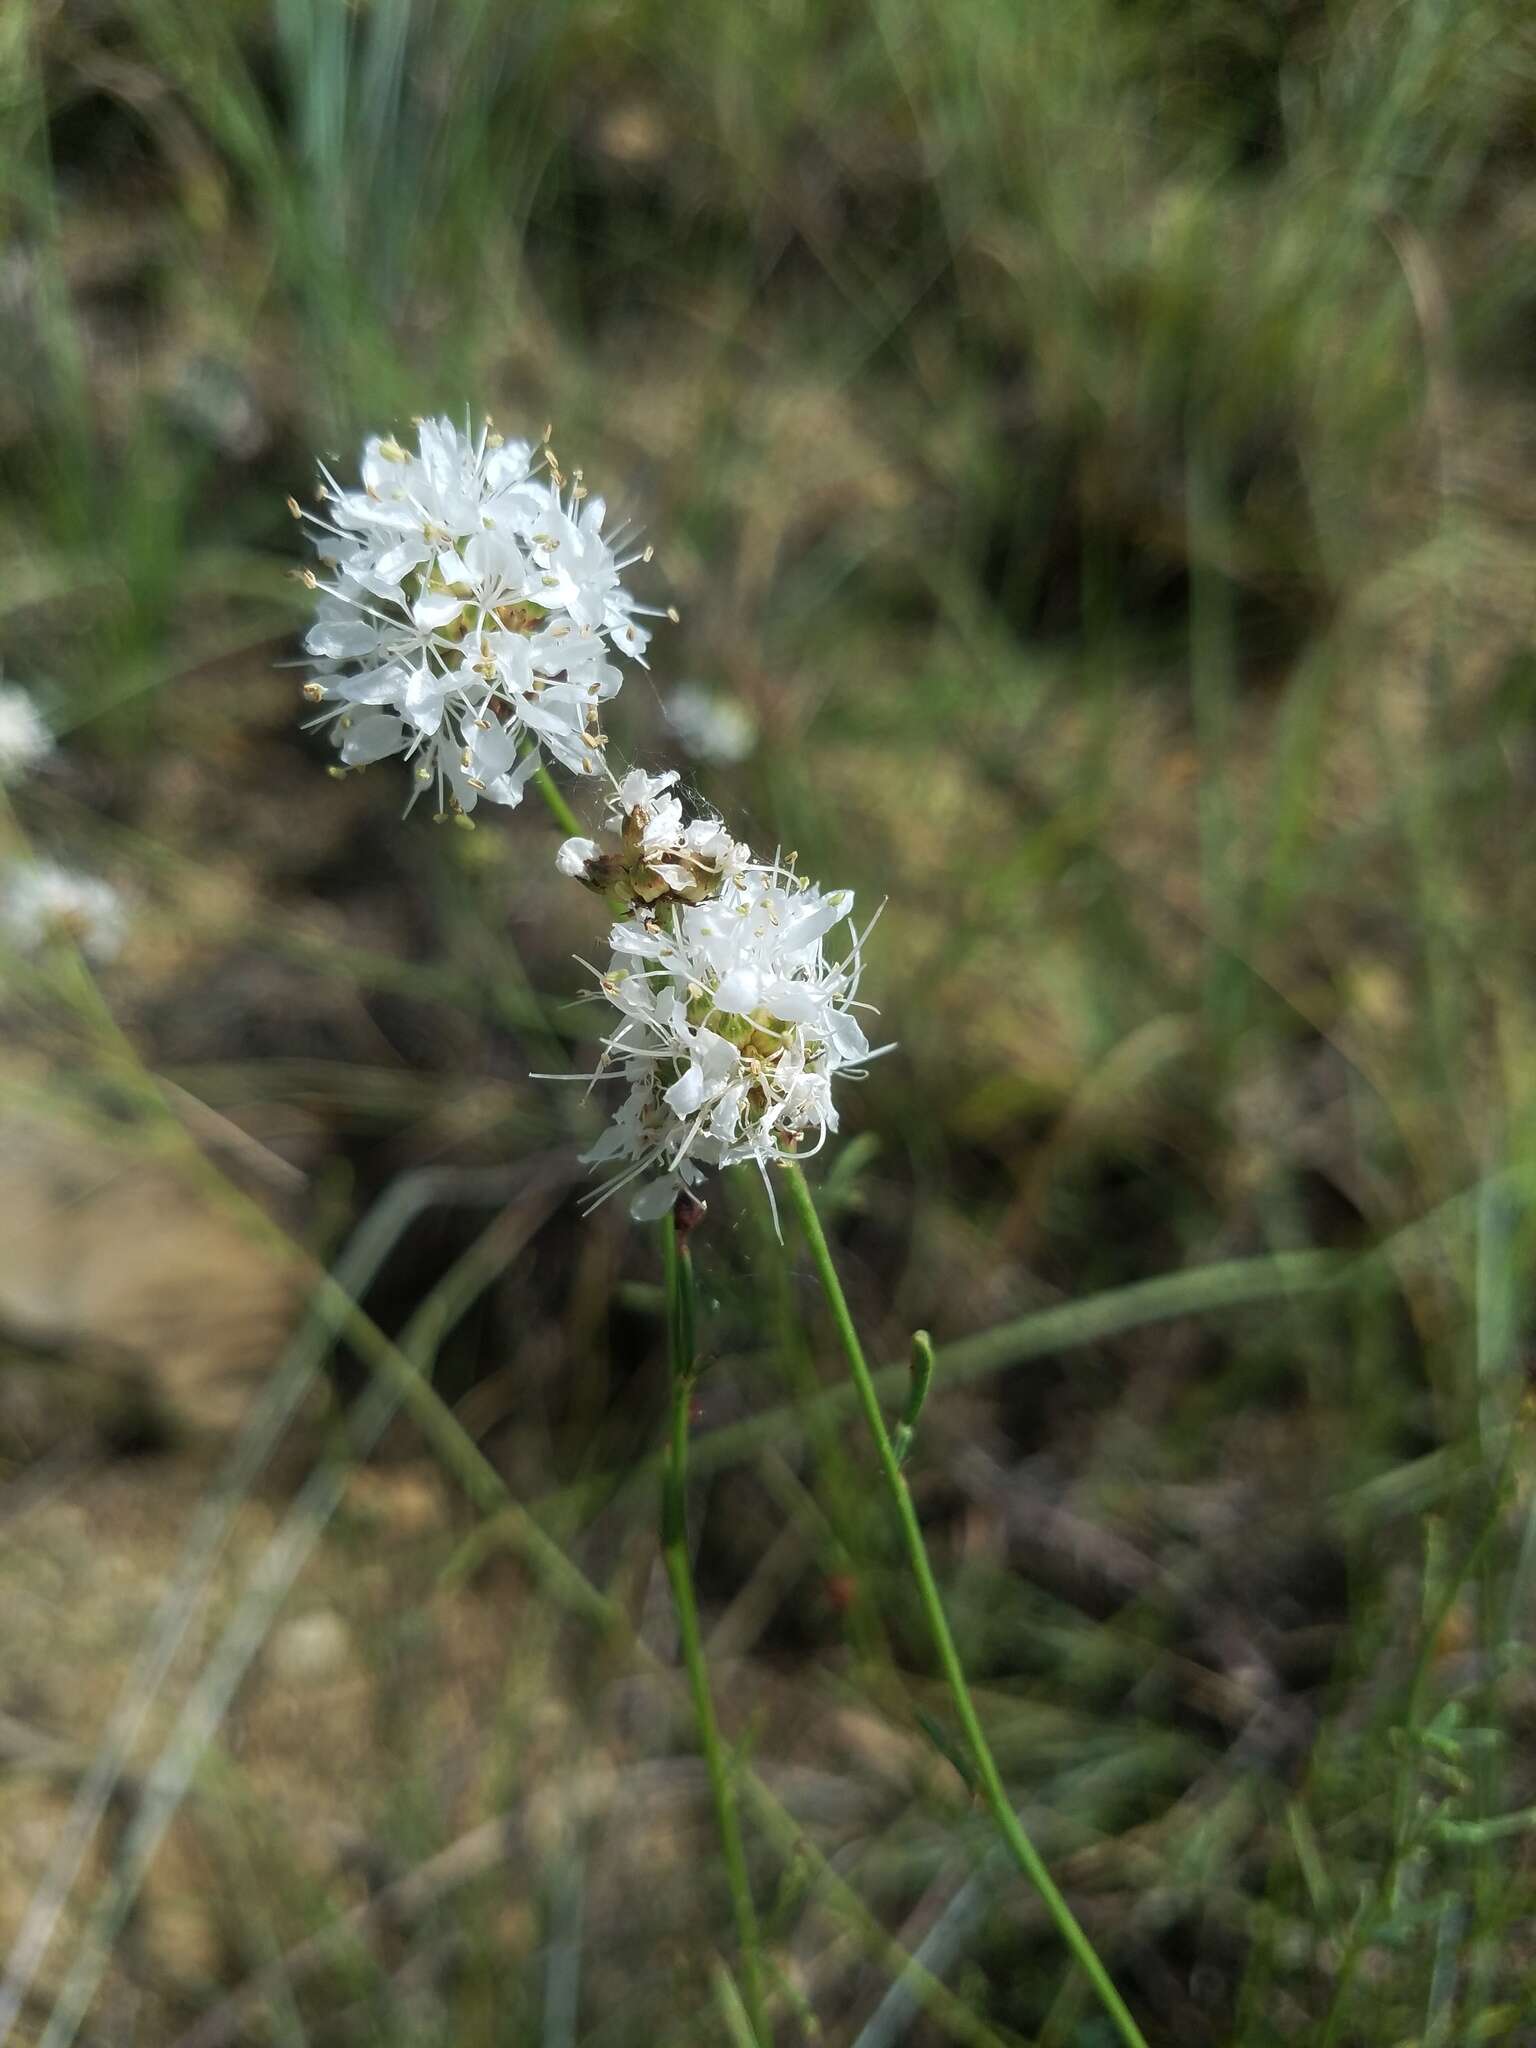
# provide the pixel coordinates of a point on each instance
(660, 857)
(469, 616)
(733, 1018)
(712, 728)
(469, 620)
(42, 903)
(24, 736)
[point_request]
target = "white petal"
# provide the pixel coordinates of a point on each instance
(717, 1057)
(574, 855)
(819, 919)
(422, 699)
(398, 561)
(341, 639)
(370, 738)
(686, 1094)
(493, 751)
(653, 1201)
(848, 1041)
(436, 608)
(740, 991)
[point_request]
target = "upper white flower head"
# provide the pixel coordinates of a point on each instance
(733, 1023)
(24, 734)
(41, 902)
(472, 609)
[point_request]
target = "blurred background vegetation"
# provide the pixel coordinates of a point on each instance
(1093, 442)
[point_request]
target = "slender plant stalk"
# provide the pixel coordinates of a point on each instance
(840, 1483)
(559, 809)
(677, 1267)
(1009, 1825)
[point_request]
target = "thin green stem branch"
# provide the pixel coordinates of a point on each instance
(677, 1268)
(559, 809)
(1000, 1805)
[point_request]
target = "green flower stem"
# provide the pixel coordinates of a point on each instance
(677, 1268)
(1011, 1828)
(559, 809)
(840, 1483)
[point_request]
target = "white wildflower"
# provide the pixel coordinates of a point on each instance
(470, 614)
(713, 728)
(24, 735)
(41, 902)
(661, 857)
(733, 1025)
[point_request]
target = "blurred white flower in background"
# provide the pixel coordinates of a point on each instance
(471, 616)
(733, 1025)
(24, 736)
(712, 728)
(41, 902)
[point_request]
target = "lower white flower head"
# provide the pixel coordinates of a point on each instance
(734, 1020)
(42, 903)
(24, 735)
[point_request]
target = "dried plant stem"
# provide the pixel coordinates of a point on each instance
(678, 1273)
(995, 1792)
